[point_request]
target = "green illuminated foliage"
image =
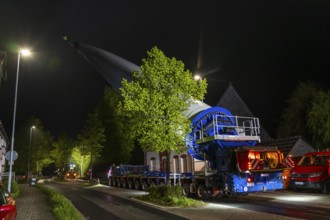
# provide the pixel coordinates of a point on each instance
(308, 115)
(61, 153)
(117, 146)
(153, 102)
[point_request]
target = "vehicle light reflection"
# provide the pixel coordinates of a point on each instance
(219, 206)
(302, 198)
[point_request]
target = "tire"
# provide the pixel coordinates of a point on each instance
(111, 183)
(137, 185)
(228, 194)
(186, 189)
(125, 184)
(152, 184)
(130, 184)
(144, 185)
(115, 182)
(326, 187)
(201, 192)
(120, 183)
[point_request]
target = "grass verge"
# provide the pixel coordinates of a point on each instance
(63, 209)
(171, 196)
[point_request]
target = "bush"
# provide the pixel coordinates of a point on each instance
(169, 196)
(165, 191)
(63, 209)
(14, 188)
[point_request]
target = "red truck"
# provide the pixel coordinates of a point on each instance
(311, 172)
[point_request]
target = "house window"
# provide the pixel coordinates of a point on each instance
(176, 164)
(184, 163)
(163, 164)
(153, 164)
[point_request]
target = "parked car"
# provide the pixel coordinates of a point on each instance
(7, 206)
(32, 181)
(312, 172)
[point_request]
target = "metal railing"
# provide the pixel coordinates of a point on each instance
(224, 127)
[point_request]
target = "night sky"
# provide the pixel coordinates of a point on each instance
(264, 48)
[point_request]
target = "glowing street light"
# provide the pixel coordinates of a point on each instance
(29, 159)
(197, 77)
(21, 52)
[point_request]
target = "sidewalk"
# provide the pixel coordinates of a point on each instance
(33, 204)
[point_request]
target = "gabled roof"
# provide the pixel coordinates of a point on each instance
(285, 144)
(235, 104)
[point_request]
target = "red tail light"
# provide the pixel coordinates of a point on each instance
(250, 179)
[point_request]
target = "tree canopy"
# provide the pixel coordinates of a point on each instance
(91, 138)
(34, 143)
(154, 102)
(117, 146)
(61, 153)
(308, 115)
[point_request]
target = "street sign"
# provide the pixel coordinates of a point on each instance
(15, 155)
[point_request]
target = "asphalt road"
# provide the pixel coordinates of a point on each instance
(103, 202)
(94, 204)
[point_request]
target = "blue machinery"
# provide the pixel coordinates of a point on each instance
(217, 126)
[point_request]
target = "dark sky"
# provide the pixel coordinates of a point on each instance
(264, 48)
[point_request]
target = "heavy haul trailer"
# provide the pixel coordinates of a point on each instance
(233, 165)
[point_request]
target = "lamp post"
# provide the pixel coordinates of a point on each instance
(21, 52)
(29, 159)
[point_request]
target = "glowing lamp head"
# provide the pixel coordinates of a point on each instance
(197, 77)
(25, 52)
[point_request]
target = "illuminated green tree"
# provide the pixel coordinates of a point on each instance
(307, 115)
(318, 119)
(36, 144)
(154, 102)
(117, 146)
(61, 153)
(91, 138)
(82, 161)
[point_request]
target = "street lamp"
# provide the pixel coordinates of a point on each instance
(197, 77)
(28, 173)
(24, 53)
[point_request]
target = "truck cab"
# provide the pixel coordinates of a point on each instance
(312, 172)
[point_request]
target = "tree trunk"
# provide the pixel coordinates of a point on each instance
(168, 168)
(91, 176)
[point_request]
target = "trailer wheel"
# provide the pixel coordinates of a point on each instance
(326, 187)
(137, 185)
(120, 183)
(124, 184)
(202, 192)
(152, 184)
(130, 184)
(144, 185)
(116, 182)
(186, 190)
(227, 194)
